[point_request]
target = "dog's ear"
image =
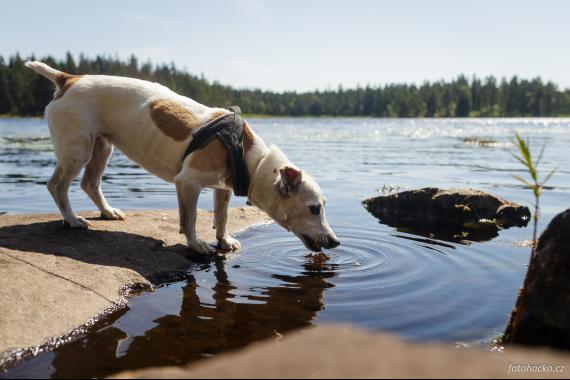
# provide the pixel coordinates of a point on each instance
(290, 180)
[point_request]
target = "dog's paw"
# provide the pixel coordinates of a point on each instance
(113, 214)
(77, 222)
(201, 247)
(229, 244)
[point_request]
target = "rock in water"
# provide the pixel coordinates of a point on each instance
(454, 208)
(484, 143)
(542, 313)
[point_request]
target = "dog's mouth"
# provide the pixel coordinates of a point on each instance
(310, 243)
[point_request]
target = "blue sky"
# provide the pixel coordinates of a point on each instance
(303, 45)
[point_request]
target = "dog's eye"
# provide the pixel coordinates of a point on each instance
(315, 209)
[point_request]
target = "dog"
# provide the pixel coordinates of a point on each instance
(153, 126)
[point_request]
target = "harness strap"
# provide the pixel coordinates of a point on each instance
(229, 130)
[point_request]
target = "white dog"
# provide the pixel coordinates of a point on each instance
(153, 126)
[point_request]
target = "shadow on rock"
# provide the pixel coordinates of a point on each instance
(142, 254)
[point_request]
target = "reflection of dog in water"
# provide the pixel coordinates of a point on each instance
(155, 127)
(212, 318)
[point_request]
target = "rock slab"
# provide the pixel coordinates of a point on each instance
(542, 313)
(54, 279)
(340, 352)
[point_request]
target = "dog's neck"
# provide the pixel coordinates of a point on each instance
(263, 165)
(254, 153)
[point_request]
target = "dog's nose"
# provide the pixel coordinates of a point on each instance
(332, 242)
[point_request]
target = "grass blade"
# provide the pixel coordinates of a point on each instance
(549, 176)
(524, 181)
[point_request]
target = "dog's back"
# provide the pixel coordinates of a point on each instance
(148, 122)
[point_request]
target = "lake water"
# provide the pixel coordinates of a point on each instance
(383, 278)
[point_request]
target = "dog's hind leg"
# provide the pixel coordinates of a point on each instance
(221, 204)
(91, 182)
(70, 160)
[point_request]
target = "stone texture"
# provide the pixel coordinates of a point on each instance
(454, 214)
(345, 352)
(542, 314)
(53, 279)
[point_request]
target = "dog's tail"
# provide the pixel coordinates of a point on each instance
(48, 72)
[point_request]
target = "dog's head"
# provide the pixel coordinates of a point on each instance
(294, 200)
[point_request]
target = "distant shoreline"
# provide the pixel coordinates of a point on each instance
(463, 96)
(8, 117)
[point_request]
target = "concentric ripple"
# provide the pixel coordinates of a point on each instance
(421, 288)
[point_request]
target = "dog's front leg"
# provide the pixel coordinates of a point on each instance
(221, 204)
(188, 193)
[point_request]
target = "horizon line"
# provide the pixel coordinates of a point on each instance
(330, 88)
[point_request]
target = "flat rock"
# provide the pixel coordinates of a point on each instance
(542, 313)
(344, 352)
(459, 211)
(484, 143)
(53, 279)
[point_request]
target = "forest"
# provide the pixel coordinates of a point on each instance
(24, 93)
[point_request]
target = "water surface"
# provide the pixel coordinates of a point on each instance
(416, 284)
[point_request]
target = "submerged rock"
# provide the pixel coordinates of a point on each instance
(447, 207)
(484, 143)
(542, 313)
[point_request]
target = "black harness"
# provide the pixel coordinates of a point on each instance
(229, 130)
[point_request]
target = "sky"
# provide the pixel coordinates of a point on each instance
(305, 45)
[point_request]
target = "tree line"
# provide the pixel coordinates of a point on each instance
(24, 93)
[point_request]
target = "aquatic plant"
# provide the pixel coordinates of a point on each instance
(525, 158)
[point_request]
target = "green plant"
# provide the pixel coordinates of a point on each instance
(525, 158)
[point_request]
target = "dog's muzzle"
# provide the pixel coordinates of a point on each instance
(325, 241)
